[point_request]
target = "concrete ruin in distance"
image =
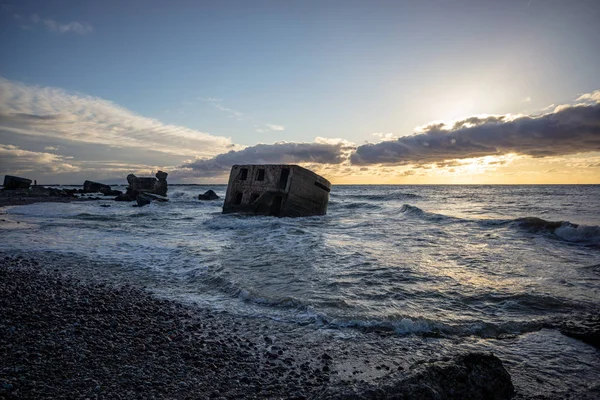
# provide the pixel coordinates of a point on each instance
(278, 190)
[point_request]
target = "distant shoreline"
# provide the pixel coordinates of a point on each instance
(360, 184)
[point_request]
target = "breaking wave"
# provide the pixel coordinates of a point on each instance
(414, 211)
(564, 230)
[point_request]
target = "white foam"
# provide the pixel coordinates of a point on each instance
(579, 234)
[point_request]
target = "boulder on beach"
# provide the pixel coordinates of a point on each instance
(466, 376)
(15, 182)
(208, 195)
(94, 187)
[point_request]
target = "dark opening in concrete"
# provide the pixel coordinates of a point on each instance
(260, 176)
(243, 174)
(276, 206)
(238, 198)
(285, 173)
(320, 185)
(254, 197)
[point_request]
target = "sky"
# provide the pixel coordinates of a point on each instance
(383, 92)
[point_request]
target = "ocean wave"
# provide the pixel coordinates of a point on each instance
(564, 230)
(412, 325)
(95, 217)
(414, 211)
(520, 302)
(240, 221)
(354, 205)
(380, 197)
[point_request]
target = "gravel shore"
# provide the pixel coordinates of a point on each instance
(63, 337)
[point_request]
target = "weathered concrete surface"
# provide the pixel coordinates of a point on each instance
(15, 182)
(280, 190)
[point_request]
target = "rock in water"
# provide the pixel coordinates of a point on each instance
(143, 184)
(142, 199)
(161, 175)
(14, 182)
(160, 187)
(156, 197)
(586, 329)
(109, 192)
(467, 376)
(94, 187)
(130, 179)
(153, 188)
(208, 195)
(123, 197)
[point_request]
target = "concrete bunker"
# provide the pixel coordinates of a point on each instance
(280, 190)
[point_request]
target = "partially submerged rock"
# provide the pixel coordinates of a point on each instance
(110, 192)
(123, 197)
(161, 187)
(467, 376)
(145, 198)
(142, 200)
(35, 194)
(586, 329)
(94, 187)
(208, 195)
(139, 185)
(15, 182)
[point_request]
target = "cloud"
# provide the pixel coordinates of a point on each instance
(274, 127)
(278, 153)
(568, 130)
(82, 28)
(385, 135)
(268, 127)
(527, 99)
(18, 161)
(593, 97)
(55, 114)
(217, 103)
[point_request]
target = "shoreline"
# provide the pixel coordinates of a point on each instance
(25, 200)
(62, 337)
(263, 358)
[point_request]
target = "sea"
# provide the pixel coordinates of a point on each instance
(430, 269)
